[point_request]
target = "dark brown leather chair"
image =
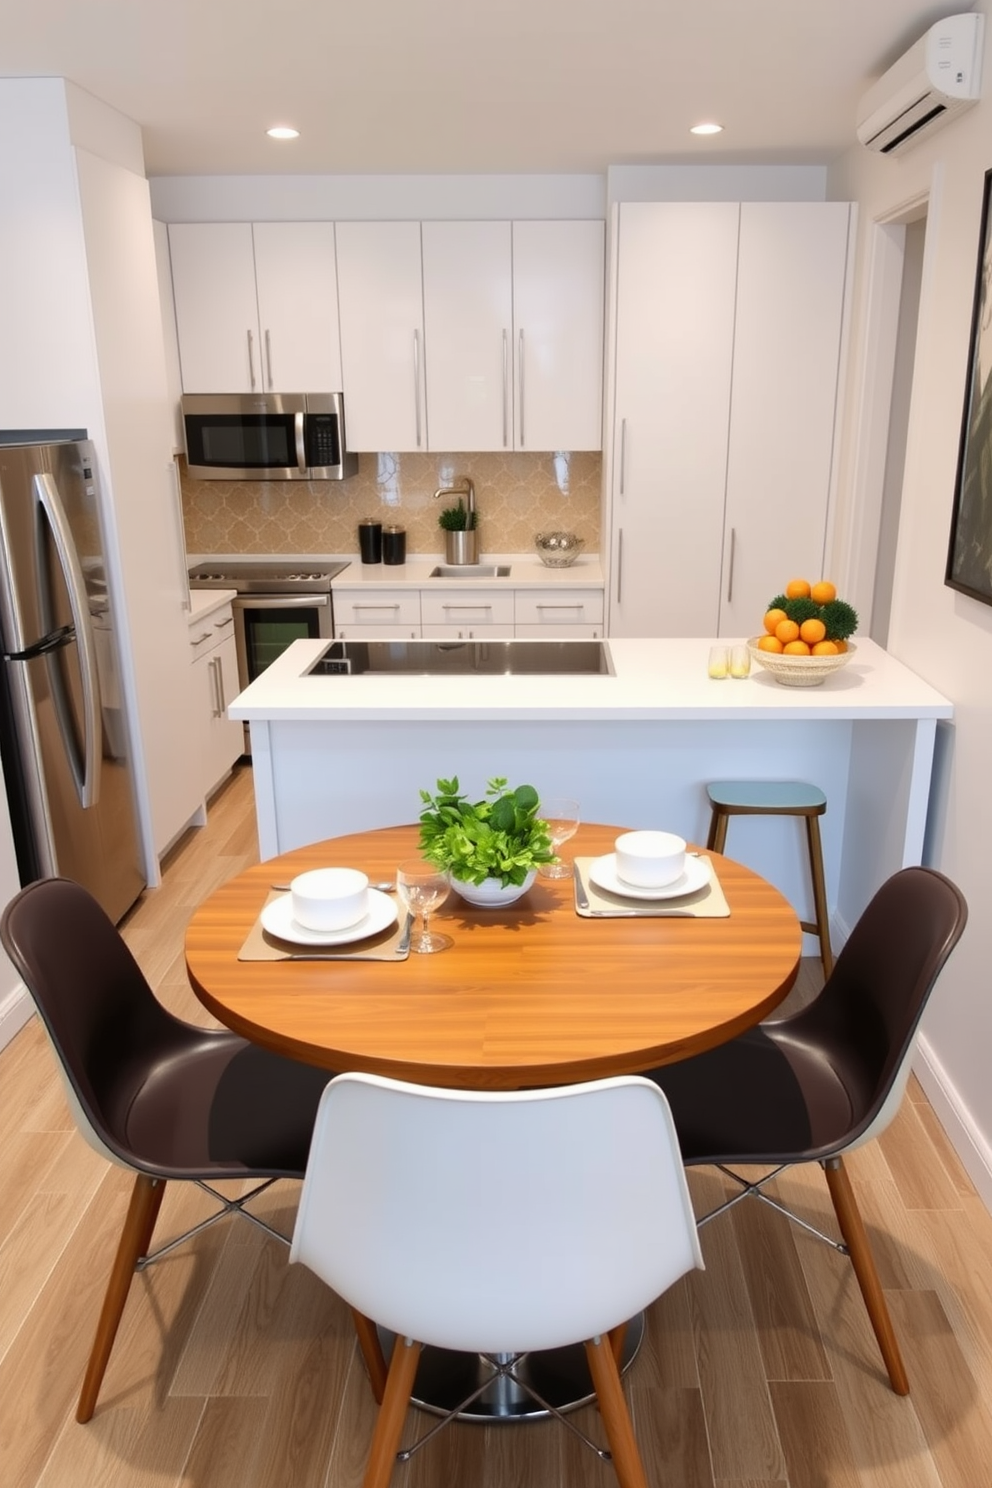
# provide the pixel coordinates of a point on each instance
(811, 1086)
(154, 1094)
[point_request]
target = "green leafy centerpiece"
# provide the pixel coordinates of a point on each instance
(491, 848)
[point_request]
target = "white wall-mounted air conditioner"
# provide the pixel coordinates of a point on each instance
(938, 77)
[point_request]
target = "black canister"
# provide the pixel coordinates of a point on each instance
(394, 545)
(370, 540)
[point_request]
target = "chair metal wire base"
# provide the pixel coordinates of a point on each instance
(227, 1206)
(754, 1189)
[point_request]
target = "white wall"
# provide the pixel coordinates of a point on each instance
(944, 636)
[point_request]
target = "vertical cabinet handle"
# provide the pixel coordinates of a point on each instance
(268, 356)
(217, 683)
(730, 566)
(623, 453)
(619, 565)
(251, 359)
(520, 380)
(416, 382)
(506, 389)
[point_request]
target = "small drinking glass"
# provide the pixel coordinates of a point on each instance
(562, 818)
(422, 887)
(740, 661)
(717, 666)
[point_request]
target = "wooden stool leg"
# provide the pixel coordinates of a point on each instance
(375, 1360)
(855, 1236)
(718, 830)
(142, 1212)
(819, 893)
(616, 1417)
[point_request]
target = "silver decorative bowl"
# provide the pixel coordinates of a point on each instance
(558, 549)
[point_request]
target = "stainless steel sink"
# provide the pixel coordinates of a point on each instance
(470, 571)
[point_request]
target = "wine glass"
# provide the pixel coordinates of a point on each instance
(562, 818)
(423, 886)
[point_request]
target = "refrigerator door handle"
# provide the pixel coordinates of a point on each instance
(85, 771)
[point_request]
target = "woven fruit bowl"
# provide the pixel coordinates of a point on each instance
(799, 671)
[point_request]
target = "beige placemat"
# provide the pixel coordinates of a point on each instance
(706, 903)
(390, 944)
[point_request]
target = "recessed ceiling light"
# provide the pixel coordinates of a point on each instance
(706, 129)
(283, 131)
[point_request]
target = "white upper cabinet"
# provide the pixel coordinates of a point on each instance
(674, 354)
(380, 294)
(790, 305)
(256, 306)
(513, 326)
(468, 328)
(728, 336)
(558, 288)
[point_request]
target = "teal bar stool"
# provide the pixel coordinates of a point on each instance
(778, 798)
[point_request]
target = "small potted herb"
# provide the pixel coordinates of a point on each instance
(460, 528)
(491, 848)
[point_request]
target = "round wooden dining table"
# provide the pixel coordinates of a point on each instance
(528, 995)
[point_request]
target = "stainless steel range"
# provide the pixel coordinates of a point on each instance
(277, 603)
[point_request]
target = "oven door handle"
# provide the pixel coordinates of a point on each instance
(280, 601)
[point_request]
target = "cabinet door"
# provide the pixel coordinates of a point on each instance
(222, 738)
(213, 278)
(674, 349)
(296, 280)
(558, 285)
(790, 300)
(382, 335)
(468, 323)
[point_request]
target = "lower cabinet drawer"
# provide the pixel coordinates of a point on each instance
(558, 632)
(558, 607)
(468, 632)
(398, 608)
(477, 608)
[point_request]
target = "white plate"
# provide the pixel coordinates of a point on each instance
(603, 872)
(277, 919)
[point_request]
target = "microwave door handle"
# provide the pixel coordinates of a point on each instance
(85, 771)
(301, 449)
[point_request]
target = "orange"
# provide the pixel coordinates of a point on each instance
(841, 645)
(796, 648)
(812, 630)
(825, 648)
(787, 630)
(773, 618)
(823, 592)
(769, 643)
(797, 589)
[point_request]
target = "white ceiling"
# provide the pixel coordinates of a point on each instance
(442, 86)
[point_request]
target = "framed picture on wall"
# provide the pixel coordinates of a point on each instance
(969, 557)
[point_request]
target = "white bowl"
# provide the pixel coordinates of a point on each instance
(491, 894)
(330, 898)
(649, 860)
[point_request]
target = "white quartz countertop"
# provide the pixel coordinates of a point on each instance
(655, 679)
(526, 572)
(203, 601)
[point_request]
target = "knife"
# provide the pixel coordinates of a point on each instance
(581, 897)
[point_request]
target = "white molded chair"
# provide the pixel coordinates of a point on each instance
(495, 1223)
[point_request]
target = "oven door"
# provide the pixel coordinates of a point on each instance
(265, 624)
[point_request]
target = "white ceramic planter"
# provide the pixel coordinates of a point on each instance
(491, 894)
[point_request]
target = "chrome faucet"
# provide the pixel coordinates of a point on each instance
(464, 487)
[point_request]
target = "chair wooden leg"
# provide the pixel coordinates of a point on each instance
(142, 1212)
(717, 838)
(392, 1413)
(375, 1359)
(856, 1238)
(618, 1337)
(616, 1417)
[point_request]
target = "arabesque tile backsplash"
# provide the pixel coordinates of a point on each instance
(516, 496)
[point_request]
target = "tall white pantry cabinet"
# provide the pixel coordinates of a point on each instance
(727, 348)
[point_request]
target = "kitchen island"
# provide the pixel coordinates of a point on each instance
(341, 753)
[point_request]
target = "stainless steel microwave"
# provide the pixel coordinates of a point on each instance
(267, 436)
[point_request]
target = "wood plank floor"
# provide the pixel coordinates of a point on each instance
(234, 1370)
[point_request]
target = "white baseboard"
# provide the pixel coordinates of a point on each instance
(964, 1135)
(15, 1010)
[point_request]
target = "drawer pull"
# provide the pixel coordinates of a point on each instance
(466, 607)
(206, 636)
(578, 606)
(375, 607)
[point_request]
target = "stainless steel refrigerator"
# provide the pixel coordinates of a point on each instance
(63, 732)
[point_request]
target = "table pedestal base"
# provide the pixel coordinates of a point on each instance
(560, 1376)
